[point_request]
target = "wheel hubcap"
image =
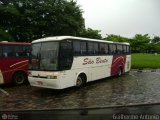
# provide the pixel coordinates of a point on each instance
(79, 81)
(19, 79)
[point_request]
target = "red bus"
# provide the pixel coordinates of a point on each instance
(14, 62)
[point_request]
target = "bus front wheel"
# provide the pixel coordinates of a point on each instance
(19, 78)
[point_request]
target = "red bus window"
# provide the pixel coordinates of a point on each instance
(8, 51)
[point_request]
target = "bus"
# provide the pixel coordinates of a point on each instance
(64, 61)
(14, 62)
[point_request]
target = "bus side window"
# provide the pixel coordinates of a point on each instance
(124, 49)
(8, 51)
(83, 48)
(114, 49)
(18, 50)
(128, 49)
(21, 50)
(103, 48)
(79, 47)
(111, 50)
(96, 50)
(119, 49)
(92, 48)
(27, 49)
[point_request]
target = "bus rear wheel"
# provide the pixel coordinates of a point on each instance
(80, 81)
(19, 78)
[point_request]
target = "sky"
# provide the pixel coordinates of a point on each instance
(122, 17)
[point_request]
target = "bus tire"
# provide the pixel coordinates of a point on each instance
(120, 72)
(19, 78)
(80, 81)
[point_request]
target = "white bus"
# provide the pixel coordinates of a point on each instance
(64, 61)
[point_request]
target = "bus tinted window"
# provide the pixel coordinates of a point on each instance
(21, 51)
(27, 49)
(83, 48)
(92, 48)
(8, 51)
(128, 50)
(103, 48)
(79, 47)
(112, 49)
(124, 49)
(119, 49)
(95, 48)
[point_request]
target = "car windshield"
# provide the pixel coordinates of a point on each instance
(44, 56)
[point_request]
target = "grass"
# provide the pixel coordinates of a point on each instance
(140, 61)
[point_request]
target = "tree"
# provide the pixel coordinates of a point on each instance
(116, 38)
(5, 36)
(28, 20)
(140, 43)
(156, 39)
(90, 33)
(157, 48)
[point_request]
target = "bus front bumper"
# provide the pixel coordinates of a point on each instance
(45, 83)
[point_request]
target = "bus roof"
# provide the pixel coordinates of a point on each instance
(14, 43)
(59, 38)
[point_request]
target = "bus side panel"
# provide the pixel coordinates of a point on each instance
(69, 77)
(95, 67)
(4, 68)
(128, 63)
(117, 63)
(11, 66)
(101, 70)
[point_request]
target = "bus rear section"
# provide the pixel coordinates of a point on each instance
(66, 61)
(14, 62)
(121, 61)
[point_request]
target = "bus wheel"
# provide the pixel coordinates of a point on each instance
(80, 81)
(19, 78)
(120, 72)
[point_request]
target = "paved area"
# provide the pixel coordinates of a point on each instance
(130, 89)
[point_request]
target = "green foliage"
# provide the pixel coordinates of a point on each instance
(156, 39)
(157, 48)
(5, 36)
(116, 38)
(145, 61)
(90, 33)
(140, 43)
(33, 19)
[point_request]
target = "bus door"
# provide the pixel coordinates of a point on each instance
(65, 55)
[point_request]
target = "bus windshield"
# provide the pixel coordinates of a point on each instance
(44, 56)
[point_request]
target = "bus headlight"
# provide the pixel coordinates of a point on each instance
(51, 77)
